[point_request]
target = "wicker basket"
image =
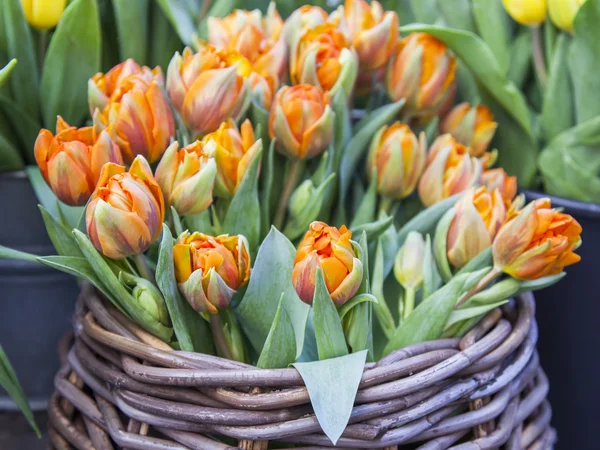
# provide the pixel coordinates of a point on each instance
(122, 388)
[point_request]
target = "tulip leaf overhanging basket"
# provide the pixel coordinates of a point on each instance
(262, 269)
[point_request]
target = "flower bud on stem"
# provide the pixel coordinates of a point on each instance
(294, 170)
(483, 283)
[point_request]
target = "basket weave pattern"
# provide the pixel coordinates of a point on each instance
(121, 387)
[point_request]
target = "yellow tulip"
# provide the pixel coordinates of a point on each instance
(526, 12)
(43, 14)
(563, 12)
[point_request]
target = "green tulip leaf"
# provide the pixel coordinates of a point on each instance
(540, 283)
(484, 259)
(493, 25)
(426, 11)
(243, 213)
(432, 280)
(177, 223)
(60, 235)
(464, 314)
(10, 383)
(366, 209)
(119, 295)
(9, 253)
(557, 107)
(191, 330)
(427, 321)
(17, 36)
(6, 71)
(333, 401)
(458, 14)
(374, 229)
(131, 17)
(10, 159)
(181, 18)
(165, 40)
(520, 55)
(440, 244)
(268, 172)
(73, 57)
(200, 223)
(25, 126)
(584, 61)
(381, 308)
(272, 275)
(279, 350)
(355, 301)
(342, 126)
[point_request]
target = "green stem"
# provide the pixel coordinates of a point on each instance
(538, 56)
(219, 337)
(385, 205)
(295, 168)
(384, 316)
(42, 44)
(142, 267)
(409, 301)
(483, 283)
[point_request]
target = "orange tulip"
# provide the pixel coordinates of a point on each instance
(499, 179)
(137, 112)
(233, 152)
(262, 89)
(126, 211)
(209, 269)
(302, 121)
(331, 250)
(450, 170)
(208, 87)
(399, 158)
(300, 21)
(422, 71)
(373, 31)
(473, 126)
(104, 87)
(479, 214)
(325, 59)
(72, 160)
(187, 177)
(537, 241)
(258, 38)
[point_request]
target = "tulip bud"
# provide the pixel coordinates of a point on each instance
(398, 158)
(325, 59)
(148, 297)
(373, 31)
(563, 12)
(256, 37)
(233, 152)
(187, 177)
(449, 170)
(526, 12)
(300, 21)
(138, 113)
(498, 179)
(71, 161)
(408, 265)
(537, 241)
(209, 269)
(302, 121)
(262, 89)
(479, 214)
(208, 87)
(422, 71)
(331, 250)
(126, 211)
(43, 14)
(472, 126)
(105, 87)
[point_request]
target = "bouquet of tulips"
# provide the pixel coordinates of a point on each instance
(245, 206)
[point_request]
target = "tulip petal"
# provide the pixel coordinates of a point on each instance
(193, 292)
(68, 179)
(194, 195)
(304, 276)
(467, 236)
(182, 260)
(431, 187)
(348, 287)
(283, 133)
(167, 169)
(318, 136)
(217, 291)
(175, 86)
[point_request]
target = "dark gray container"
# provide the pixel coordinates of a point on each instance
(568, 315)
(36, 302)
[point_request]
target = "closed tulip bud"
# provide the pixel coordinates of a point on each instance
(325, 59)
(399, 158)
(262, 89)
(331, 250)
(498, 179)
(233, 151)
(302, 121)
(147, 295)
(104, 87)
(256, 37)
(71, 161)
(563, 12)
(450, 170)
(537, 241)
(187, 177)
(373, 31)
(479, 214)
(526, 12)
(473, 126)
(126, 211)
(43, 14)
(408, 265)
(139, 115)
(208, 87)
(210, 269)
(422, 71)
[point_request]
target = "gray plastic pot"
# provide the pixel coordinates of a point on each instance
(36, 302)
(568, 316)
